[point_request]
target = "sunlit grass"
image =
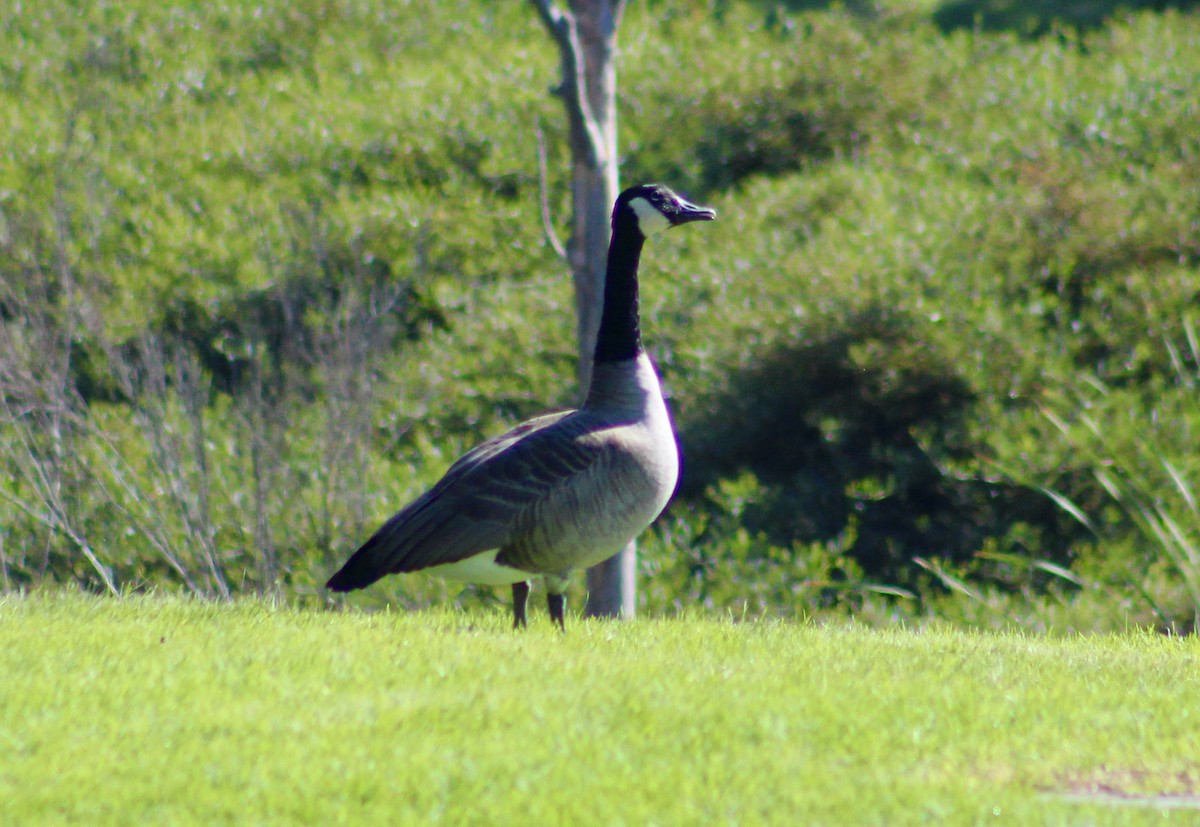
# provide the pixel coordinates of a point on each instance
(157, 710)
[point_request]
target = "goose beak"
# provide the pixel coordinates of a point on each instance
(687, 212)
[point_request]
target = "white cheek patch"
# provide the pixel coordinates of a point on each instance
(650, 220)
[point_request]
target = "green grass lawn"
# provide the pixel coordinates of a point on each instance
(159, 710)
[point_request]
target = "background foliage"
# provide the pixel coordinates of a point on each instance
(267, 268)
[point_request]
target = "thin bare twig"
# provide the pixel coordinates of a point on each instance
(544, 196)
(56, 520)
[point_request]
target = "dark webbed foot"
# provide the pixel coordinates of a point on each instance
(520, 601)
(558, 607)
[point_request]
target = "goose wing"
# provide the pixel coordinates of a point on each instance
(473, 508)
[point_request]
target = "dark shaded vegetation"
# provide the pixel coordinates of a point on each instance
(861, 429)
(1034, 18)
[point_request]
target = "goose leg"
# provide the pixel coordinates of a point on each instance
(520, 601)
(558, 605)
(556, 598)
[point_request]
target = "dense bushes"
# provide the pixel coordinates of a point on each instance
(860, 431)
(265, 271)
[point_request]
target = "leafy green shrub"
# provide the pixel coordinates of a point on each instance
(860, 427)
(765, 95)
(1147, 470)
(291, 264)
(704, 553)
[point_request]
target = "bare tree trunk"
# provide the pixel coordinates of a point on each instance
(586, 37)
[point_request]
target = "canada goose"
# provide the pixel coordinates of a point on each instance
(565, 490)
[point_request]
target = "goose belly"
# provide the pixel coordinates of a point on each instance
(481, 568)
(589, 523)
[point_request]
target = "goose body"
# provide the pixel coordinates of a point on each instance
(565, 490)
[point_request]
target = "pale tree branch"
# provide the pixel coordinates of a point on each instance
(544, 196)
(549, 13)
(618, 11)
(562, 27)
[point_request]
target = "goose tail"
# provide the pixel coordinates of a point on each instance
(359, 572)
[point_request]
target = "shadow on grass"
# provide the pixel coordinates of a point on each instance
(859, 8)
(1116, 787)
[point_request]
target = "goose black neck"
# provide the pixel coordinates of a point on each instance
(620, 337)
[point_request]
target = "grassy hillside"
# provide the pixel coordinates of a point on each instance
(167, 711)
(267, 268)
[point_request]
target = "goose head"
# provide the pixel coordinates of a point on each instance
(653, 208)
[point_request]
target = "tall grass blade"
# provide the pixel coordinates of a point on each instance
(889, 591)
(1162, 509)
(1177, 363)
(1181, 486)
(948, 580)
(1109, 483)
(1189, 330)
(1179, 539)
(1066, 505)
(1059, 571)
(1021, 562)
